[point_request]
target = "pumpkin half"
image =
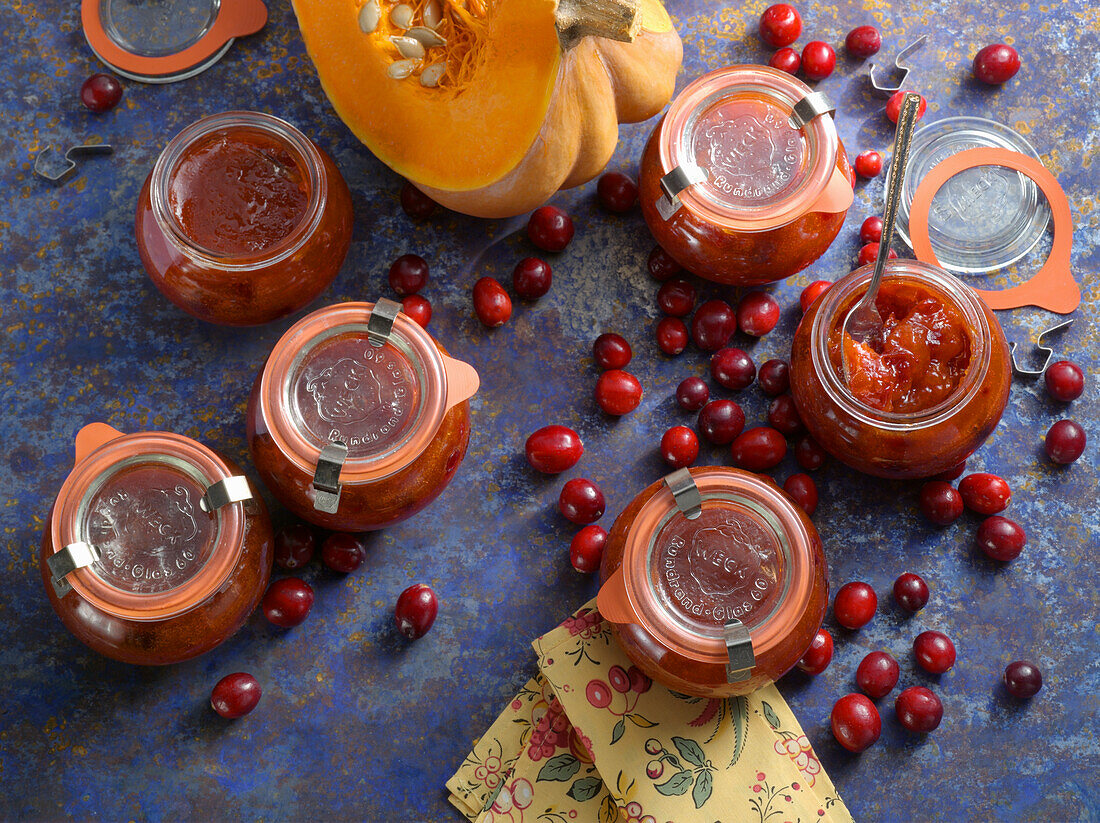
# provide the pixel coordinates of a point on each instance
(490, 106)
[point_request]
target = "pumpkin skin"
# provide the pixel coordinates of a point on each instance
(531, 117)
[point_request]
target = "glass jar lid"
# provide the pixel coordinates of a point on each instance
(166, 40)
(984, 218)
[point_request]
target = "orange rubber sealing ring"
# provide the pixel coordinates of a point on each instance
(235, 19)
(1053, 286)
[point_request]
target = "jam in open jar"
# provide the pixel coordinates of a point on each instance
(156, 550)
(714, 581)
(916, 402)
(745, 180)
(359, 419)
(243, 219)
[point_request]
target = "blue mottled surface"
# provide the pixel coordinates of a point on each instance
(356, 724)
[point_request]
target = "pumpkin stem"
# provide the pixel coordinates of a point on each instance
(613, 19)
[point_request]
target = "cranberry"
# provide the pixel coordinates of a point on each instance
(911, 592)
(343, 552)
(415, 611)
(732, 368)
(809, 454)
(1000, 538)
(758, 449)
(783, 415)
(418, 308)
(553, 449)
(786, 59)
(893, 105)
(713, 324)
(804, 491)
(235, 695)
(1065, 381)
(812, 292)
(581, 501)
(819, 655)
(408, 274)
(818, 60)
(611, 351)
(287, 602)
(863, 42)
(618, 392)
(550, 228)
(871, 230)
(935, 652)
(954, 473)
(1065, 441)
(984, 493)
(721, 421)
(856, 723)
(940, 503)
(780, 25)
(676, 297)
(531, 278)
(774, 377)
(416, 204)
(877, 674)
(855, 605)
(294, 546)
(1023, 679)
(661, 265)
(996, 64)
(617, 192)
(679, 447)
(672, 335)
(492, 304)
(868, 164)
(757, 313)
(100, 93)
(918, 710)
(869, 253)
(692, 393)
(586, 548)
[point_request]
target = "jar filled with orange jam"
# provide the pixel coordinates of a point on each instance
(919, 399)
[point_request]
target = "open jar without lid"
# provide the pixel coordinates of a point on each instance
(713, 581)
(359, 418)
(156, 549)
(745, 180)
(243, 219)
(933, 412)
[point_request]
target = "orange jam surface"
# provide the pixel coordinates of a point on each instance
(924, 352)
(238, 193)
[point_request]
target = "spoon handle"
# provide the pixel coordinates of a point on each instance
(903, 138)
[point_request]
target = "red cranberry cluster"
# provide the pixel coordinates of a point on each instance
(1065, 440)
(407, 276)
(780, 26)
(982, 493)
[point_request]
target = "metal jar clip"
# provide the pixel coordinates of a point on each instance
(742, 659)
(233, 489)
(685, 493)
(672, 184)
(326, 480)
(809, 107)
(70, 558)
(898, 66)
(1016, 367)
(380, 322)
(68, 170)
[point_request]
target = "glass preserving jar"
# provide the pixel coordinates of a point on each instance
(745, 180)
(243, 219)
(359, 418)
(928, 400)
(714, 581)
(155, 549)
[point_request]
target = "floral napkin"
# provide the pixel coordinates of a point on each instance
(591, 738)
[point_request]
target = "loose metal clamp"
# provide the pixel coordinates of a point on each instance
(685, 493)
(1016, 367)
(326, 480)
(380, 322)
(68, 170)
(672, 184)
(898, 66)
(739, 648)
(812, 105)
(233, 489)
(72, 557)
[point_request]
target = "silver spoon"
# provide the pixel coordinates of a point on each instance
(863, 323)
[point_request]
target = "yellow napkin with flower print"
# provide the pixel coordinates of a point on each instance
(637, 752)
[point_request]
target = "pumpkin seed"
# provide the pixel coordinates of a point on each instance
(429, 78)
(409, 47)
(400, 69)
(369, 16)
(426, 36)
(402, 16)
(433, 14)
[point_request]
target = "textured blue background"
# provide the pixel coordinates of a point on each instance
(355, 723)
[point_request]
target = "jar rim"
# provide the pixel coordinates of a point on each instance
(183, 453)
(841, 296)
(306, 154)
